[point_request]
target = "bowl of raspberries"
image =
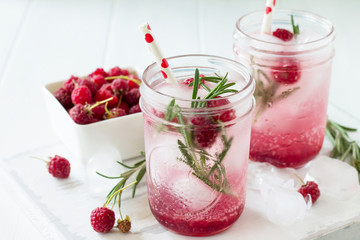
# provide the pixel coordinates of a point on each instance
(98, 111)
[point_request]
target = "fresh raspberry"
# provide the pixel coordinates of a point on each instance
(115, 112)
(124, 106)
(119, 86)
(102, 219)
(106, 86)
(283, 34)
(135, 109)
(132, 84)
(69, 85)
(228, 115)
(91, 85)
(81, 114)
(310, 188)
(99, 111)
(132, 96)
(115, 71)
(105, 94)
(99, 80)
(81, 95)
(287, 72)
(59, 167)
(64, 97)
(98, 71)
(190, 80)
(217, 102)
(225, 116)
(125, 72)
(205, 132)
(124, 225)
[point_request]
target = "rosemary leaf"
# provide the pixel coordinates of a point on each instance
(344, 148)
(296, 29)
(195, 86)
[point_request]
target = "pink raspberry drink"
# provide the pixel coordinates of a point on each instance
(292, 74)
(197, 150)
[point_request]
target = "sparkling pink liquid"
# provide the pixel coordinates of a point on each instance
(179, 200)
(179, 218)
(290, 132)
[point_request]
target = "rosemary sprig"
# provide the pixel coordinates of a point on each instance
(296, 29)
(345, 149)
(209, 169)
(266, 88)
(266, 94)
(139, 167)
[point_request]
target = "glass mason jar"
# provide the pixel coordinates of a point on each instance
(196, 158)
(292, 85)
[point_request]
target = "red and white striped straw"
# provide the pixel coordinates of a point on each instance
(267, 20)
(160, 60)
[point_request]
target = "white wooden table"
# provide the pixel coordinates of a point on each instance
(42, 41)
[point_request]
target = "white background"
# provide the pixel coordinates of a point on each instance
(42, 41)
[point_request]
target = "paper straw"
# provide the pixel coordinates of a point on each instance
(267, 20)
(160, 60)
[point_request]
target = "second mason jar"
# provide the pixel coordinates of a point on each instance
(197, 150)
(292, 84)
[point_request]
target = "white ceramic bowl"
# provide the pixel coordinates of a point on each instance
(125, 134)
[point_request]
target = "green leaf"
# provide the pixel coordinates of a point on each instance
(296, 29)
(107, 176)
(138, 179)
(195, 86)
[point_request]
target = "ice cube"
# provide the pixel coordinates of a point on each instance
(279, 199)
(259, 173)
(284, 206)
(195, 194)
(335, 178)
(104, 162)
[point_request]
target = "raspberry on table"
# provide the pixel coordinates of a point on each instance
(310, 188)
(124, 225)
(64, 97)
(132, 96)
(59, 167)
(81, 95)
(283, 34)
(102, 219)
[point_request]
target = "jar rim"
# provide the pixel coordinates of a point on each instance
(250, 85)
(310, 15)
